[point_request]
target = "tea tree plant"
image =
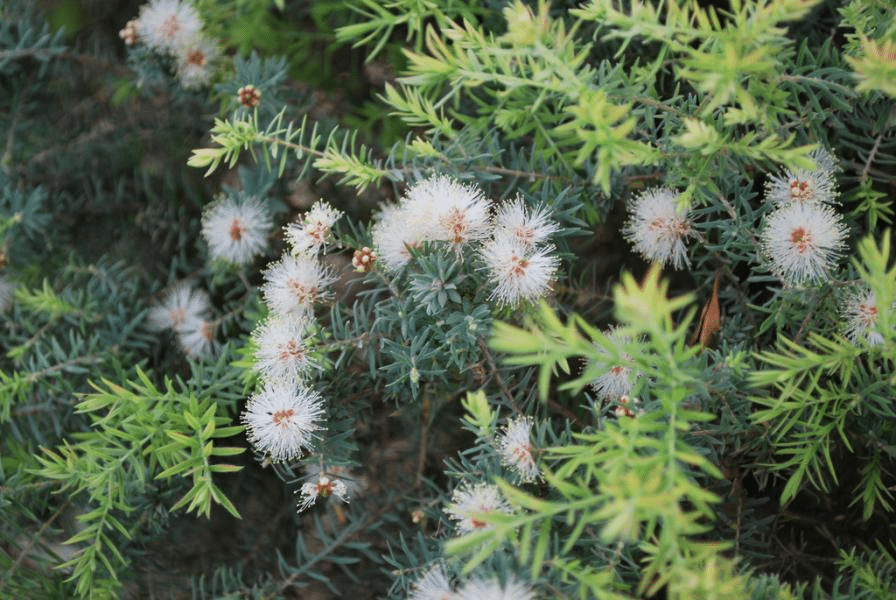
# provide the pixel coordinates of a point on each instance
(448, 300)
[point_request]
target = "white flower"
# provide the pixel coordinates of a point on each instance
(529, 227)
(281, 420)
(859, 314)
(236, 232)
(432, 585)
(164, 25)
(802, 241)
(515, 448)
(182, 304)
(396, 230)
(617, 377)
(323, 487)
(491, 589)
(800, 185)
(657, 227)
(449, 210)
(480, 498)
(516, 272)
(7, 291)
(282, 348)
(309, 235)
(350, 483)
(294, 284)
(195, 57)
(197, 337)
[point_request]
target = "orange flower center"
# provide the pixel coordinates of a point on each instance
(237, 230)
(283, 417)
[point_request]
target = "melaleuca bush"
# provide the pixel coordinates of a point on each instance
(512, 250)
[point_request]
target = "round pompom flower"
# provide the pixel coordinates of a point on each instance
(181, 304)
(195, 57)
(518, 273)
(294, 284)
(801, 185)
(860, 313)
(658, 226)
(529, 227)
(281, 420)
(467, 501)
(165, 25)
(449, 210)
(282, 348)
(197, 337)
(515, 448)
(395, 231)
(236, 232)
(802, 241)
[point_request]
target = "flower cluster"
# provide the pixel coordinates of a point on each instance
(172, 29)
(186, 310)
(284, 415)
(434, 584)
(804, 236)
(513, 248)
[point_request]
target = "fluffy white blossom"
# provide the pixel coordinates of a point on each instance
(658, 226)
(859, 314)
(449, 210)
(469, 500)
(518, 273)
(313, 229)
(182, 304)
(491, 589)
(282, 348)
(617, 377)
(802, 241)
(515, 448)
(528, 227)
(323, 486)
(281, 420)
(435, 209)
(236, 231)
(165, 25)
(292, 285)
(801, 185)
(197, 337)
(396, 229)
(195, 59)
(432, 585)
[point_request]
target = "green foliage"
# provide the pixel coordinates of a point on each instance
(137, 436)
(634, 480)
(831, 396)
